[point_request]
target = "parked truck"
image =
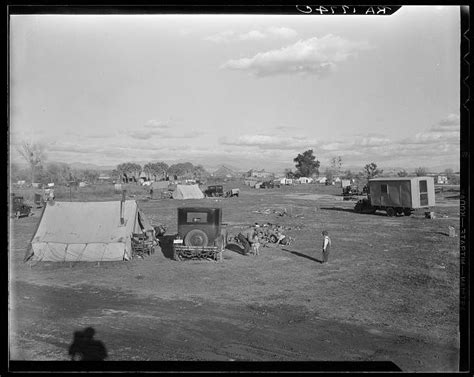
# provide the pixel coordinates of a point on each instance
(18, 207)
(215, 190)
(396, 196)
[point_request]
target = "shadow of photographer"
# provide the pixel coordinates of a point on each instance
(85, 348)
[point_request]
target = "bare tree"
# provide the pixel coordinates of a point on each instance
(329, 173)
(59, 172)
(336, 164)
(34, 155)
(348, 174)
(420, 172)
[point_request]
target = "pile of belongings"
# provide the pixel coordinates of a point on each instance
(142, 244)
(270, 233)
(268, 211)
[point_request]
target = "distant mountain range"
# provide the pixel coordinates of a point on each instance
(82, 166)
(225, 171)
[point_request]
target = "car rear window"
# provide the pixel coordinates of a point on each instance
(196, 217)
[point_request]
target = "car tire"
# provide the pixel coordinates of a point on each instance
(196, 237)
(407, 212)
(390, 211)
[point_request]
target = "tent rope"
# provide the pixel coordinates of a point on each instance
(80, 254)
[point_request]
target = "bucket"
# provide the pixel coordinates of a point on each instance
(430, 215)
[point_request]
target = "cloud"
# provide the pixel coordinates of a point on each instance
(265, 142)
(141, 135)
(99, 135)
(449, 124)
(66, 147)
(447, 130)
(282, 32)
(253, 35)
(151, 128)
(372, 141)
(156, 124)
(187, 135)
(224, 36)
(318, 56)
(162, 129)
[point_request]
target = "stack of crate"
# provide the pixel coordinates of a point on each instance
(142, 245)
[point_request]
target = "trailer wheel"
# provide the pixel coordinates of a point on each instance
(390, 211)
(407, 212)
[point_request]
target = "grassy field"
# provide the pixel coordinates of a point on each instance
(390, 291)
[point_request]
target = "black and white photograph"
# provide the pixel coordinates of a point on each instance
(236, 190)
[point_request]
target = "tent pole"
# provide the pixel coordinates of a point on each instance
(121, 207)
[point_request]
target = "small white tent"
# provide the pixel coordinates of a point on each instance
(87, 231)
(187, 192)
(305, 180)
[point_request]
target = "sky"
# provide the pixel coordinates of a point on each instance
(248, 91)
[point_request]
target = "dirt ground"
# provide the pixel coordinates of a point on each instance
(389, 293)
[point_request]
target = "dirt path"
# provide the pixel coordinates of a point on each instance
(136, 328)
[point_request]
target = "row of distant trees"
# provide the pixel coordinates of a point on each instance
(39, 170)
(308, 166)
(160, 170)
(52, 172)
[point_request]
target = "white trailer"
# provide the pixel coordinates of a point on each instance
(398, 195)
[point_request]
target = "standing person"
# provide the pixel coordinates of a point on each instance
(255, 244)
(326, 246)
(151, 192)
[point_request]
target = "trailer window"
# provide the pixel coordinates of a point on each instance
(423, 193)
(384, 189)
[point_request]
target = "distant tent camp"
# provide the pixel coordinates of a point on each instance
(87, 231)
(187, 192)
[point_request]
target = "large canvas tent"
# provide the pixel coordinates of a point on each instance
(187, 192)
(87, 231)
